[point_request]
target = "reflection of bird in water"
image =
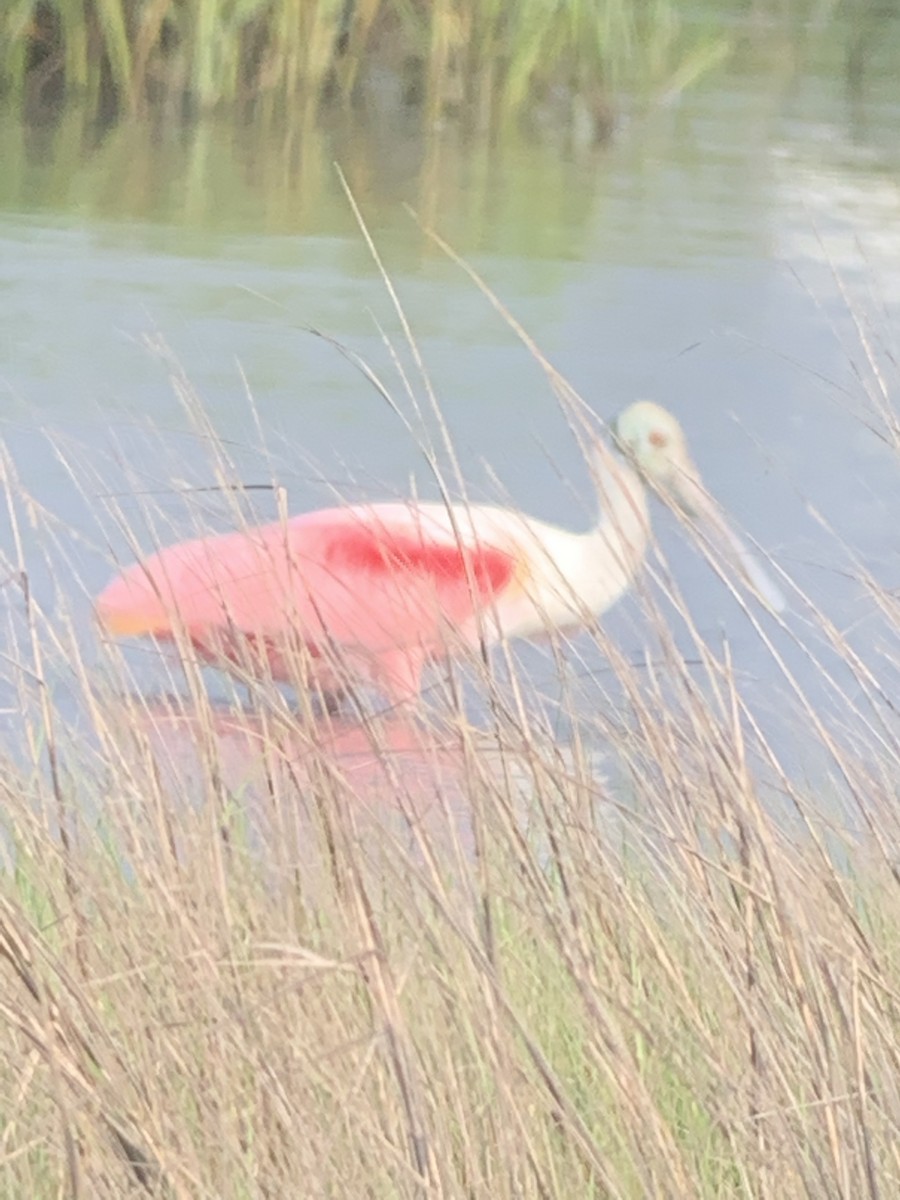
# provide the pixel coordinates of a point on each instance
(384, 758)
(372, 592)
(389, 783)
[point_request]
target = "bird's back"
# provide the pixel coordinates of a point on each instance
(369, 575)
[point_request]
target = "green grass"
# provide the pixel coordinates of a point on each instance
(486, 59)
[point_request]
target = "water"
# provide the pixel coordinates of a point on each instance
(728, 255)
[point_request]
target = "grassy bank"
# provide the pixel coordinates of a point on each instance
(486, 60)
(390, 961)
(231, 1014)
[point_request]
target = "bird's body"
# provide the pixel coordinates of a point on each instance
(375, 591)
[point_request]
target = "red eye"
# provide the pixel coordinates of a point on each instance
(658, 439)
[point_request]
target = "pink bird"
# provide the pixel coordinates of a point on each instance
(372, 592)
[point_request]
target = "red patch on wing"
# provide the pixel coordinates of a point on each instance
(380, 552)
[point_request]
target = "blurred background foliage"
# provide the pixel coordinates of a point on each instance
(230, 113)
(486, 60)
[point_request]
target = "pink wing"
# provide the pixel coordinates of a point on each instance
(374, 579)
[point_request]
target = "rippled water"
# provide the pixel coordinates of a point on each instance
(735, 256)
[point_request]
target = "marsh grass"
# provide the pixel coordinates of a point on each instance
(285, 955)
(482, 57)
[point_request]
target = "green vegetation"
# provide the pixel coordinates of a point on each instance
(247, 952)
(485, 58)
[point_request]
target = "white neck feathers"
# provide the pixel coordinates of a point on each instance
(619, 539)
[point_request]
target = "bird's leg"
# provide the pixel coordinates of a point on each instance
(331, 700)
(398, 673)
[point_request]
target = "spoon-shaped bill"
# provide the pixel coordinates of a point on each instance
(694, 500)
(753, 571)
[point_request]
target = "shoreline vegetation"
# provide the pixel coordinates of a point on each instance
(482, 60)
(228, 115)
(573, 66)
(245, 950)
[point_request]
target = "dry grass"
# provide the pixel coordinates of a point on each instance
(248, 953)
(438, 961)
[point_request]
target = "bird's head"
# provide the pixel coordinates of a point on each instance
(655, 443)
(651, 438)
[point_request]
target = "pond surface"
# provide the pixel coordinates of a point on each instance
(734, 255)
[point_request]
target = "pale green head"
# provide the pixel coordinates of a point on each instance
(654, 442)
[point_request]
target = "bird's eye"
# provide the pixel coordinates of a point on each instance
(658, 438)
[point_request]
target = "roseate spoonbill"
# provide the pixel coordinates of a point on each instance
(373, 591)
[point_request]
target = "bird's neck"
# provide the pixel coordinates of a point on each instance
(622, 530)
